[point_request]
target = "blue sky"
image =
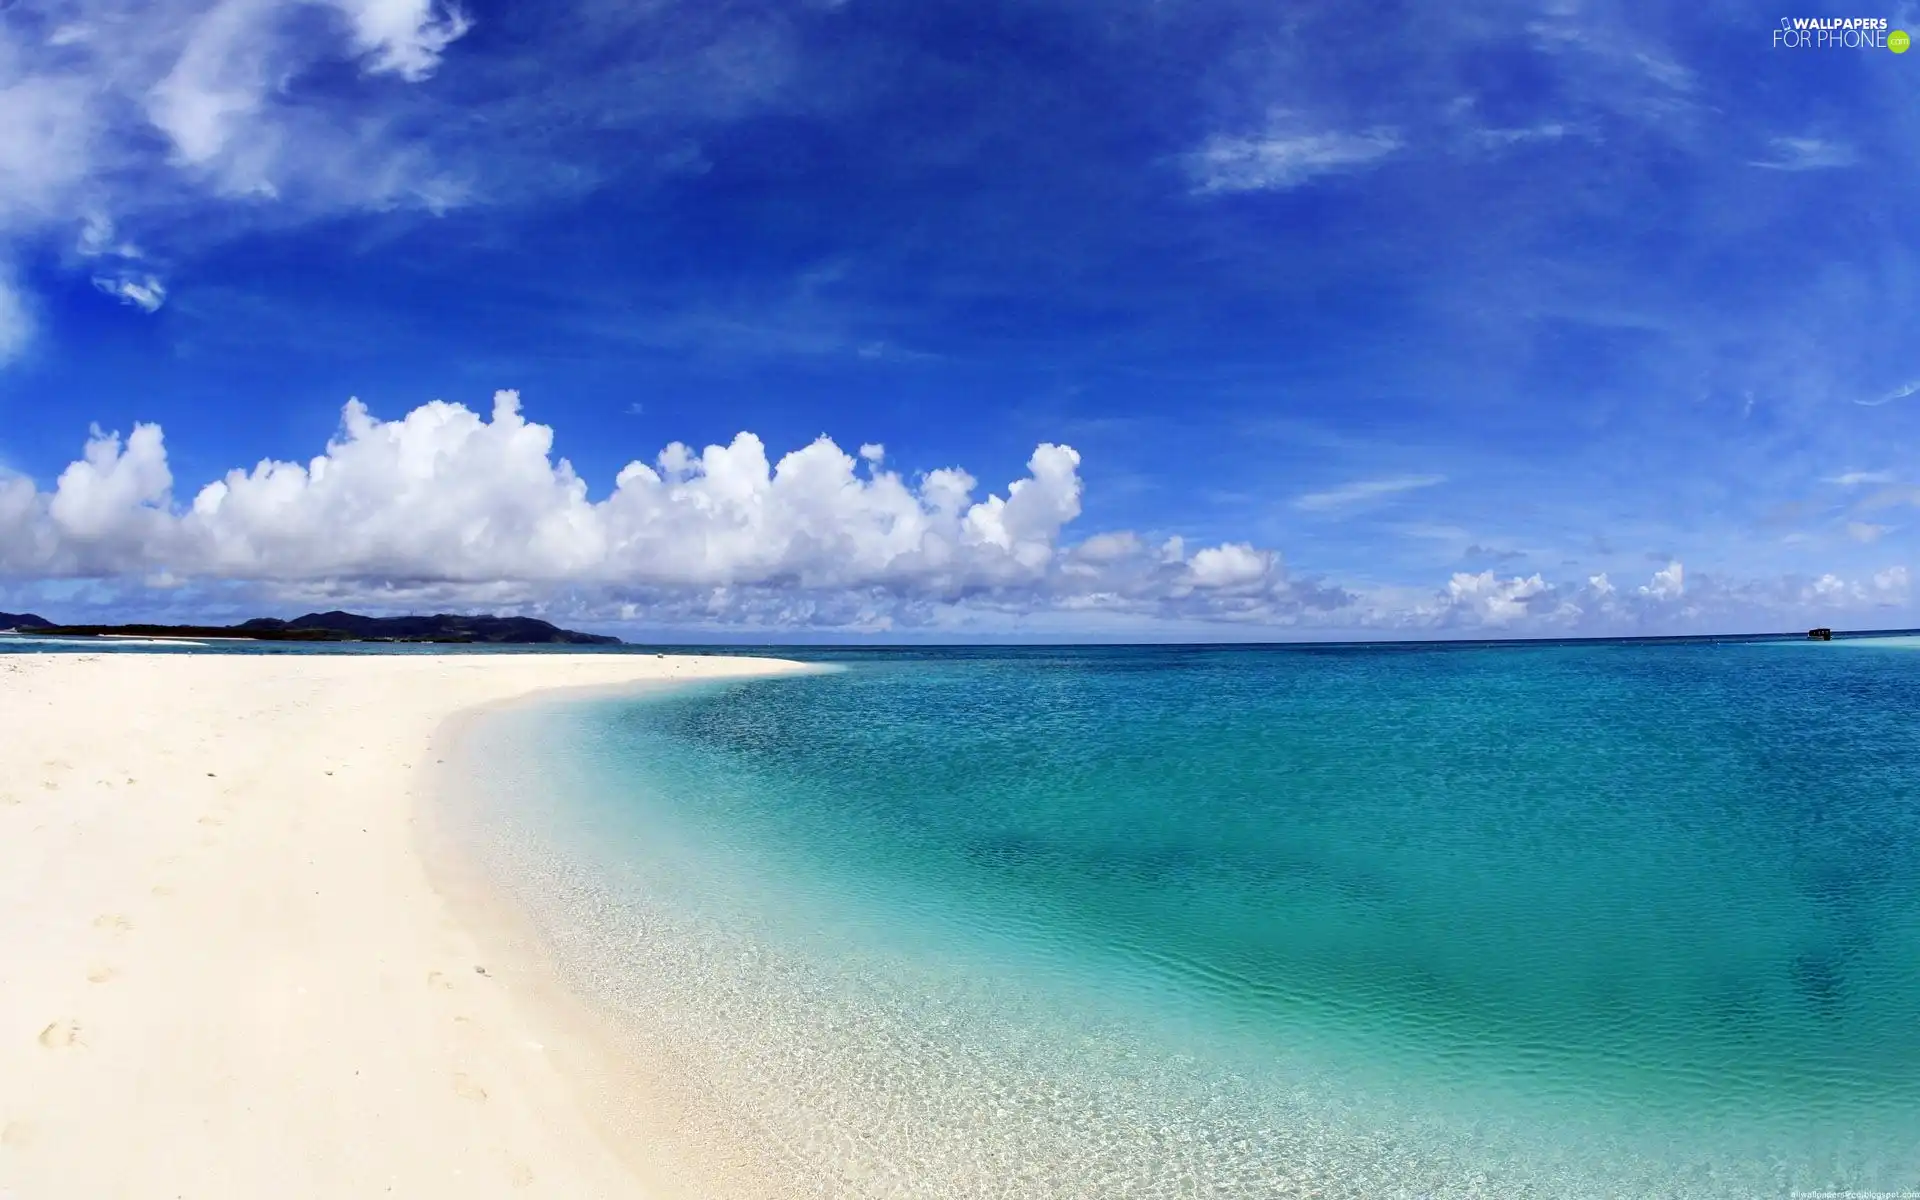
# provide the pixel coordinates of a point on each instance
(1421, 320)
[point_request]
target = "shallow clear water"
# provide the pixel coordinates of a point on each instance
(1593, 920)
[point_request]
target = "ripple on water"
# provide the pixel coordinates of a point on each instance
(1571, 923)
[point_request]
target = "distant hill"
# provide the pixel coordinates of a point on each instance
(341, 627)
(444, 627)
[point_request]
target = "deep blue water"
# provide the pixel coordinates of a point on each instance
(1583, 920)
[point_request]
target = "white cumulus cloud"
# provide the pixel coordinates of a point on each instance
(1668, 583)
(1233, 565)
(1882, 589)
(1492, 600)
(446, 494)
(450, 503)
(445, 507)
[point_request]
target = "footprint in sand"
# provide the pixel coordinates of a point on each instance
(60, 1034)
(520, 1175)
(466, 1088)
(112, 921)
(161, 889)
(100, 974)
(437, 980)
(210, 819)
(16, 1133)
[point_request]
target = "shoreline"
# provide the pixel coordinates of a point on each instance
(240, 962)
(667, 1134)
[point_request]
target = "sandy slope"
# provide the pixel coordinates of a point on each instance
(224, 971)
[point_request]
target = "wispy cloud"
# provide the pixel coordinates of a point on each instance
(118, 113)
(1429, 531)
(1550, 131)
(1806, 154)
(16, 321)
(1491, 554)
(144, 292)
(1856, 478)
(1609, 65)
(1362, 491)
(1899, 393)
(1892, 497)
(1665, 71)
(1282, 158)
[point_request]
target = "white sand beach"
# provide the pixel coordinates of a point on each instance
(225, 969)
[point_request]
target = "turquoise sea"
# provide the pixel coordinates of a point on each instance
(1576, 920)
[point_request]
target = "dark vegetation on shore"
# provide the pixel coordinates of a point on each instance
(337, 627)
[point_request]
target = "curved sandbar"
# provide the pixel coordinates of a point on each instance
(226, 971)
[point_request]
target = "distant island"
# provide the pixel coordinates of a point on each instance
(336, 627)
